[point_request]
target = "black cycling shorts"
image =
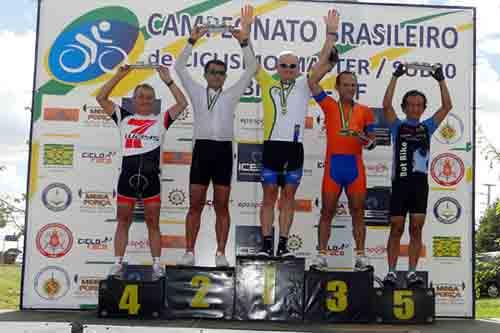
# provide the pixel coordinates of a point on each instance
(409, 196)
(212, 161)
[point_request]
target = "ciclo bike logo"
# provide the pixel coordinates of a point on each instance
(93, 45)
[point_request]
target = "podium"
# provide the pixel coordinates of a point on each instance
(262, 288)
(199, 292)
(269, 288)
(343, 297)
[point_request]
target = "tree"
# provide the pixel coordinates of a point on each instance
(9, 212)
(488, 234)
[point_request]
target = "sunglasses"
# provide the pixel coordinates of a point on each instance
(291, 66)
(214, 72)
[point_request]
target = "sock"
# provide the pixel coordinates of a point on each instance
(392, 269)
(156, 261)
(360, 253)
(412, 270)
(268, 242)
(283, 241)
(219, 253)
(118, 260)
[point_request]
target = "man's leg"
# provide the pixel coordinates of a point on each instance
(393, 243)
(270, 194)
(357, 210)
(124, 216)
(329, 201)
(223, 220)
(287, 210)
(197, 199)
(152, 219)
(417, 222)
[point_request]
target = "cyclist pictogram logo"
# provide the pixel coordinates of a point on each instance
(93, 45)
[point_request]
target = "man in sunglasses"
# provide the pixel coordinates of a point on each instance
(349, 129)
(285, 101)
(213, 109)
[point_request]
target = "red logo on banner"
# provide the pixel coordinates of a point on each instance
(54, 240)
(142, 126)
(447, 169)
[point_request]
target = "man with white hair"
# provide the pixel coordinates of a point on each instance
(285, 99)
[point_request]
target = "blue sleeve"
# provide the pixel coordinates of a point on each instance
(322, 95)
(431, 125)
(394, 128)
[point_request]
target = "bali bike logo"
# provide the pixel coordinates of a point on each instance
(94, 44)
(54, 240)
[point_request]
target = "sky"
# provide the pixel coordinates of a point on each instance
(17, 37)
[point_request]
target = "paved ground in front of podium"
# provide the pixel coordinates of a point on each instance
(89, 318)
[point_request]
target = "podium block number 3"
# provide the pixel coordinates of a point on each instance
(404, 305)
(338, 301)
(203, 283)
(130, 299)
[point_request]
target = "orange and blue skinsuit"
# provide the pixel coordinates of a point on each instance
(344, 168)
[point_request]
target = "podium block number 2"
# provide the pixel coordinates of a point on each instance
(130, 299)
(404, 305)
(338, 301)
(203, 283)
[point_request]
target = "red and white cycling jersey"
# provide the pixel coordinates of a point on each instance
(140, 134)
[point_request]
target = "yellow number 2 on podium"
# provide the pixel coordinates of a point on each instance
(130, 299)
(202, 282)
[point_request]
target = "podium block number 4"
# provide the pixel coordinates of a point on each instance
(338, 301)
(130, 299)
(203, 283)
(404, 305)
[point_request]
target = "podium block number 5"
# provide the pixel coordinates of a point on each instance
(338, 301)
(130, 299)
(404, 305)
(203, 283)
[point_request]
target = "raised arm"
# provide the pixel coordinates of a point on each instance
(328, 55)
(243, 37)
(180, 63)
(389, 112)
(180, 99)
(446, 104)
(103, 95)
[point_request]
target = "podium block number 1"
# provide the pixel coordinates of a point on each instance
(203, 283)
(338, 301)
(404, 305)
(269, 284)
(130, 299)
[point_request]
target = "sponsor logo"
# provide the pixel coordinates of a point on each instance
(294, 243)
(249, 162)
(96, 201)
(57, 197)
(177, 157)
(86, 285)
(96, 114)
(98, 157)
(93, 45)
(301, 205)
(61, 114)
(342, 207)
(451, 130)
(95, 243)
(449, 293)
(250, 123)
(376, 252)
(447, 247)
(377, 169)
(177, 197)
(447, 169)
(136, 136)
(309, 122)
(336, 250)
(447, 210)
(138, 245)
(54, 240)
(173, 242)
(58, 155)
(52, 283)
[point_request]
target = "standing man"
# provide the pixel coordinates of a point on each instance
(213, 109)
(141, 134)
(285, 99)
(349, 128)
(411, 141)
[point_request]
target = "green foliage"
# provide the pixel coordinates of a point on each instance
(485, 271)
(488, 234)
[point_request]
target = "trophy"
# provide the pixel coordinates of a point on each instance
(422, 66)
(213, 25)
(144, 65)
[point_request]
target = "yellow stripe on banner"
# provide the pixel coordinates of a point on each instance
(131, 81)
(390, 54)
(172, 222)
(377, 227)
(437, 188)
(469, 175)
(250, 142)
(66, 136)
(464, 27)
(35, 155)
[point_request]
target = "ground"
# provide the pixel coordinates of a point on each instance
(10, 282)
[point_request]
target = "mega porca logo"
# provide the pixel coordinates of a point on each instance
(96, 117)
(449, 293)
(86, 285)
(96, 201)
